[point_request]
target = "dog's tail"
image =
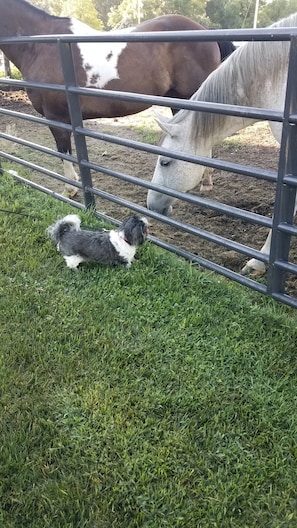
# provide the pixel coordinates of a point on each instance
(64, 225)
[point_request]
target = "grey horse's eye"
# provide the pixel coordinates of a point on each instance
(165, 162)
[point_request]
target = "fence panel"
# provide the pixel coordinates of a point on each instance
(282, 224)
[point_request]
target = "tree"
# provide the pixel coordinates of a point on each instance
(54, 7)
(103, 8)
(275, 10)
(240, 13)
(124, 15)
(128, 10)
(84, 11)
(235, 14)
(194, 9)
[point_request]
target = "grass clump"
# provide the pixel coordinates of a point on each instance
(160, 396)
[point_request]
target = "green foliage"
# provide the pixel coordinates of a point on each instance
(124, 15)
(230, 13)
(194, 9)
(15, 73)
(273, 11)
(240, 14)
(160, 396)
(54, 7)
(103, 8)
(84, 11)
(128, 11)
(215, 13)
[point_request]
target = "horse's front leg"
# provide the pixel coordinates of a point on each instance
(63, 142)
(257, 267)
(206, 182)
(69, 172)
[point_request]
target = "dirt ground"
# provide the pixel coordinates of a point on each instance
(255, 146)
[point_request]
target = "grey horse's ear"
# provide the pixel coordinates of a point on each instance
(166, 126)
(161, 117)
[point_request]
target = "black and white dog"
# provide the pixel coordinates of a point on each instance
(117, 246)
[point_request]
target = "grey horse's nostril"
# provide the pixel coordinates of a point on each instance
(166, 211)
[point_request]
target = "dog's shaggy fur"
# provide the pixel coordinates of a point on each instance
(117, 246)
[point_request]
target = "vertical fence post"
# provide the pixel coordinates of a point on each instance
(76, 119)
(285, 194)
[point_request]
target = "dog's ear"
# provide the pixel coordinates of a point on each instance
(141, 231)
(135, 230)
(144, 230)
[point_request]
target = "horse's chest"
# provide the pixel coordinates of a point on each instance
(100, 62)
(99, 59)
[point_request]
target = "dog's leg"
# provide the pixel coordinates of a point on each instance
(73, 261)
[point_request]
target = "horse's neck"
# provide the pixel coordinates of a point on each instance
(225, 126)
(18, 19)
(222, 127)
(208, 130)
(247, 78)
(14, 53)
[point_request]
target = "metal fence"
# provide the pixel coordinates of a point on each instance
(282, 224)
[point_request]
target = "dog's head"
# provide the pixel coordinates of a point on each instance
(135, 229)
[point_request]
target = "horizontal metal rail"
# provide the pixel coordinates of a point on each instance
(39, 168)
(289, 180)
(187, 197)
(138, 145)
(219, 108)
(175, 154)
(260, 34)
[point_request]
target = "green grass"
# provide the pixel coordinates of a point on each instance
(160, 396)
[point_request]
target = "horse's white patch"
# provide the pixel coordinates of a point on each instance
(100, 59)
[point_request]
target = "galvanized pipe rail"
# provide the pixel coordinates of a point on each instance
(285, 178)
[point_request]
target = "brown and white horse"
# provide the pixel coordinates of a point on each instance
(155, 68)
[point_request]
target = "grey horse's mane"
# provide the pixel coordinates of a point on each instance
(232, 82)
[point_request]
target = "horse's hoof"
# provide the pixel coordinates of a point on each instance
(252, 272)
(206, 187)
(70, 192)
(254, 267)
(73, 193)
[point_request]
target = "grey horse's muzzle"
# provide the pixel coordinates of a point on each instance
(160, 203)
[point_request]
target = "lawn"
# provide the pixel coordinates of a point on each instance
(160, 396)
